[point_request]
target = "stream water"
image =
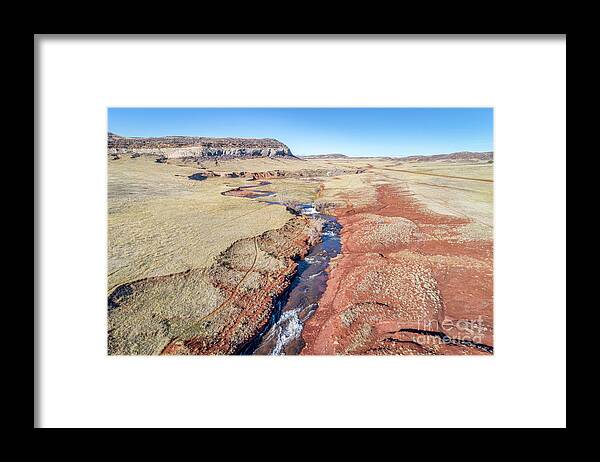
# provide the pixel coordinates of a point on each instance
(282, 334)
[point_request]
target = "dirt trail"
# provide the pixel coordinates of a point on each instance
(485, 180)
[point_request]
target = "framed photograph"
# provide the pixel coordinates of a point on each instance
(257, 246)
(368, 228)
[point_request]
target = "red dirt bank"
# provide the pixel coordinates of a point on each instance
(406, 282)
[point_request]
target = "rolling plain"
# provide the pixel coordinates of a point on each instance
(203, 251)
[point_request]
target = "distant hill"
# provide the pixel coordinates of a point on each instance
(462, 155)
(325, 156)
(197, 146)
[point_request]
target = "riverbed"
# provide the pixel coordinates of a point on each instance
(283, 333)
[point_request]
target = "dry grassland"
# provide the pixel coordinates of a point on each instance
(161, 222)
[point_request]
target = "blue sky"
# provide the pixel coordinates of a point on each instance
(350, 131)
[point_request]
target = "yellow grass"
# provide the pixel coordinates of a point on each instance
(161, 222)
(462, 189)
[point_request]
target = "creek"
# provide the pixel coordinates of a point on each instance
(283, 333)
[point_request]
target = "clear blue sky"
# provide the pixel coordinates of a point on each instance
(350, 131)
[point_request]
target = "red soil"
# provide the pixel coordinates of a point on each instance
(403, 267)
(238, 192)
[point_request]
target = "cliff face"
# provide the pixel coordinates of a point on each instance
(195, 146)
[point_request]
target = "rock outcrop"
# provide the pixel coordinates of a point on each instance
(197, 147)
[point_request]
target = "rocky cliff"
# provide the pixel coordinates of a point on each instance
(197, 147)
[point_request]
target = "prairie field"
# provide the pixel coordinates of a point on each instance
(194, 271)
(161, 222)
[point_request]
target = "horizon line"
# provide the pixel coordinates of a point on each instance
(304, 155)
